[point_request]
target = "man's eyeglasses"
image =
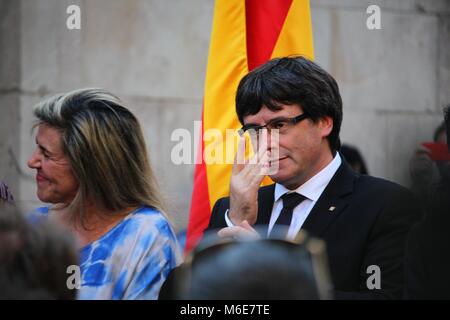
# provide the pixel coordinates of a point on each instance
(280, 124)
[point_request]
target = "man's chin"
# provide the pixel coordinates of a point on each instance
(285, 179)
(278, 177)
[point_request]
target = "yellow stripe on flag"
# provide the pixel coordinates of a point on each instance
(296, 37)
(227, 64)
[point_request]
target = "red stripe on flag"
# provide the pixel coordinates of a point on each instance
(200, 207)
(264, 20)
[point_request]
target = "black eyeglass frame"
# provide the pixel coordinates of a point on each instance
(292, 121)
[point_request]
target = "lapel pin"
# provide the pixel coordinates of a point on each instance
(331, 209)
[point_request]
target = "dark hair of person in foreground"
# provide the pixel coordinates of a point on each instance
(258, 269)
(33, 259)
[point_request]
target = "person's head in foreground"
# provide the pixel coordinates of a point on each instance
(92, 167)
(254, 268)
(34, 259)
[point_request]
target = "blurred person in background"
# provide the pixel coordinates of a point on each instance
(427, 262)
(92, 167)
(427, 172)
(354, 158)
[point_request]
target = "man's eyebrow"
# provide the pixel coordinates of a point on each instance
(271, 120)
(278, 119)
(251, 125)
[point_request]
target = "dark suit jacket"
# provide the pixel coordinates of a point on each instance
(368, 227)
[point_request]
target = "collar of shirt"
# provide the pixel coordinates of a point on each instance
(313, 188)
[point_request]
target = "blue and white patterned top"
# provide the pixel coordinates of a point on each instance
(131, 261)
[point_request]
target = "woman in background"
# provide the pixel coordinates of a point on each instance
(92, 167)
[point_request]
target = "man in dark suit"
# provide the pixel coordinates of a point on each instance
(363, 220)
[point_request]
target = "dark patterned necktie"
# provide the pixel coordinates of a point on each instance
(290, 201)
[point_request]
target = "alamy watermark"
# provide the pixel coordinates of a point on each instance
(73, 21)
(74, 278)
(374, 280)
(221, 146)
(373, 21)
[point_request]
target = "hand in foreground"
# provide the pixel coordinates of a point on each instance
(241, 232)
(246, 178)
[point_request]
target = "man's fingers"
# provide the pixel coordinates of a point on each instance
(260, 148)
(254, 141)
(238, 232)
(261, 169)
(239, 160)
(260, 158)
(262, 143)
(254, 173)
(230, 232)
(248, 227)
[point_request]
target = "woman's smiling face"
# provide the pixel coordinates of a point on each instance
(56, 182)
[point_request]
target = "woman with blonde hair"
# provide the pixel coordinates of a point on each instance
(92, 167)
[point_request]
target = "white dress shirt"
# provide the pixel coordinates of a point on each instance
(311, 190)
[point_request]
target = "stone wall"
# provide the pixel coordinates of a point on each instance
(153, 54)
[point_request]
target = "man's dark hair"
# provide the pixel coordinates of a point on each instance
(292, 80)
(34, 259)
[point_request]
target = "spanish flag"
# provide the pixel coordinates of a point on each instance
(245, 34)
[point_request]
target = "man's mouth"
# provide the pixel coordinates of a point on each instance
(275, 164)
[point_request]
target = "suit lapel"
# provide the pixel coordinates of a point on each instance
(332, 201)
(265, 205)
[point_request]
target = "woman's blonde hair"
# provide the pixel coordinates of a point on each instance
(105, 145)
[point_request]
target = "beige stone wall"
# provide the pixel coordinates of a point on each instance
(153, 54)
(394, 81)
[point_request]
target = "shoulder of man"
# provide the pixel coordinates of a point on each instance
(382, 189)
(394, 204)
(389, 211)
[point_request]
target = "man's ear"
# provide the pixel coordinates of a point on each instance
(326, 125)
